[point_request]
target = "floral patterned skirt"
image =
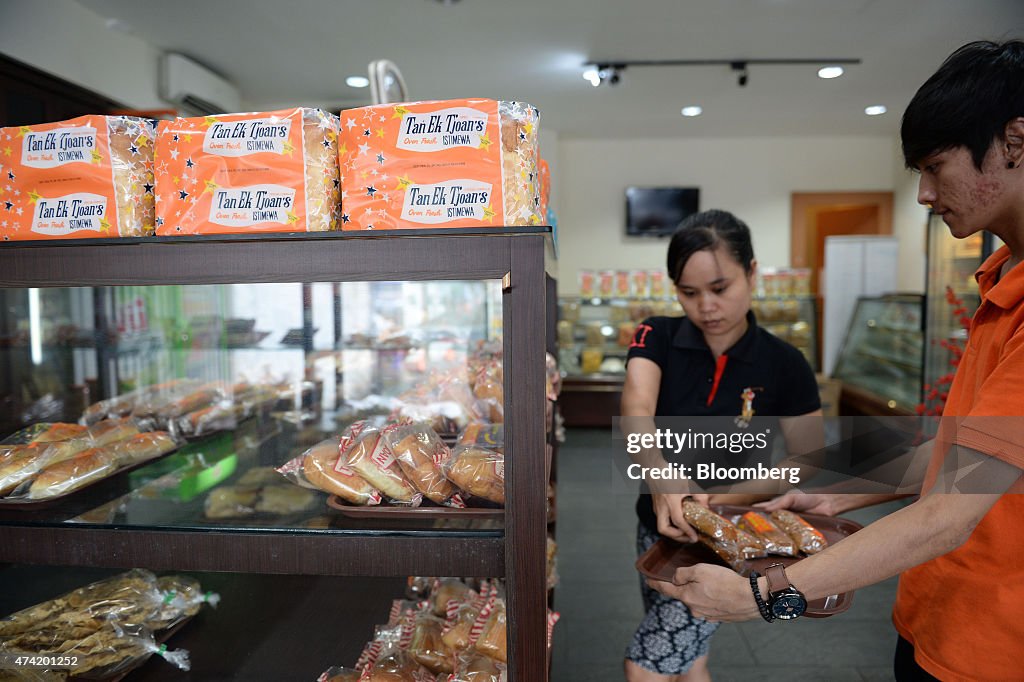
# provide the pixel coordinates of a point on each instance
(669, 638)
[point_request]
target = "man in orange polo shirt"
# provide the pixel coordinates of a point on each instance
(960, 556)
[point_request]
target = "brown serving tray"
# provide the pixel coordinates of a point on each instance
(665, 556)
(427, 510)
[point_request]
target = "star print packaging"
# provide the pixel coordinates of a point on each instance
(243, 173)
(90, 176)
(456, 163)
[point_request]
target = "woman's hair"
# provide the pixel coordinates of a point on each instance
(706, 232)
(966, 103)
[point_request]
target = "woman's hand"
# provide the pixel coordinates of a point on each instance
(811, 503)
(669, 509)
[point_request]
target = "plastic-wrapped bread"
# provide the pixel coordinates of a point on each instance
(250, 172)
(371, 458)
(110, 431)
(82, 469)
(20, 463)
(709, 523)
(492, 640)
(479, 472)
(455, 163)
(775, 540)
(475, 667)
(449, 590)
(808, 538)
(142, 447)
(490, 436)
(319, 468)
(421, 453)
(90, 176)
(428, 647)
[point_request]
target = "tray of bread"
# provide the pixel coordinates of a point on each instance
(403, 469)
(749, 539)
(45, 463)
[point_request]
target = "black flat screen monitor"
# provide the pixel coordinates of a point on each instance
(657, 211)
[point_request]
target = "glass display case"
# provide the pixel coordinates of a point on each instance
(881, 361)
(250, 351)
(594, 333)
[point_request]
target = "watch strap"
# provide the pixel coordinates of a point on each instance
(777, 579)
(761, 606)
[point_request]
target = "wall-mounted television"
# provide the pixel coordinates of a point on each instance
(657, 211)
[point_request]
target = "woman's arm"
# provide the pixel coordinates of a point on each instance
(639, 403)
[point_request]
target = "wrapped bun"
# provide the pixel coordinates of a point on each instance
(319, 466)
(372, 459)
(808, 538)
(420, 453)
(478, 471)
(83, 468)
(143, 446)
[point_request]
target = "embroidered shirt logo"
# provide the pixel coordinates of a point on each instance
(640, 336)
(747, 412)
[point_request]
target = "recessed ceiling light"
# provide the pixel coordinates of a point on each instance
(357, 81)
(830, 72)
(593, 76)
(691, 111)
(875, 110)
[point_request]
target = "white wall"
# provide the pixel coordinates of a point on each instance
(69, 41)
(752, 177)
(909, 220)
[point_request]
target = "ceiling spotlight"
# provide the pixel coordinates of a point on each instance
(741, 69)
(828, 72)
(691, 111)
(597, 74)
(357, 81)
(875, 110)
(592, 76)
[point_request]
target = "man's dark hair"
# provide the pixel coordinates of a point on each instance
(967, 102)
(705, 232)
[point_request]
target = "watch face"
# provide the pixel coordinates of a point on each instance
(788, 606)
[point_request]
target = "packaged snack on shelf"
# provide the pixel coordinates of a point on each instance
(457, 163)
(115, 649)
(492, 639)
(371, 458)
(427, 646)
(182, 598)
(420, 454)
(476, 667)
(658, 283)
(588, 283)
(639, 283)
(449, 590)
(489, 436)
(383, 660)
(459, 622)
(245, 173)
(231, 502)
(490, 395)
(44, 432)
(110, 431)
(317, 468)
(142, 447)
(480, 472)
(223, 415)
(82, 469)
(90, 176)
(808, 538)
(775, 540)
(606, 283)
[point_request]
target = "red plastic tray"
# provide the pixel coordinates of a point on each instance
(665, 556)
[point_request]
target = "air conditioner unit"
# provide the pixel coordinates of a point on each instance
(194, 88)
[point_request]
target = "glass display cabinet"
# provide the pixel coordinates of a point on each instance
(881, 361)
(285, 341)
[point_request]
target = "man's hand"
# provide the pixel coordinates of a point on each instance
(811, 503)
(669, 509)
(712, 592)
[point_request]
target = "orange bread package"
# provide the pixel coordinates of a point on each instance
(245, 173)
(90, 176)
(456, 163)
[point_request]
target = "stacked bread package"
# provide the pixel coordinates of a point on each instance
(244, 173)
(90, 176)
(456, 163)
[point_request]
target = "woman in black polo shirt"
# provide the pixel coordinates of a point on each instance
(715, 362)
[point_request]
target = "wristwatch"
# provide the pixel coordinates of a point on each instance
(784, 601)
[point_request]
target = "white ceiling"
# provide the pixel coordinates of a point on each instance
(299, 52)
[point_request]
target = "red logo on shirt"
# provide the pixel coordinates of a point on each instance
(640, 336)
